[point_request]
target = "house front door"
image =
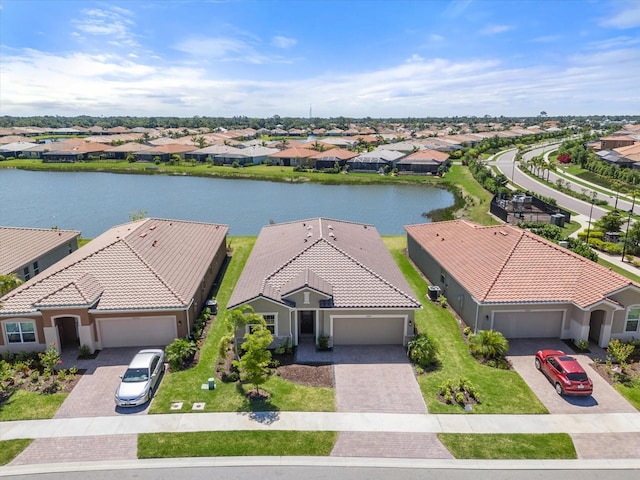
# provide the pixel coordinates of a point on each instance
(67, 332)
(307, 322)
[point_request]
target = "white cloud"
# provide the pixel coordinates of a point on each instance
(597, 81)
(496, 29)
(226, 49)
(283, 42)
(112, 22)
(628, 17)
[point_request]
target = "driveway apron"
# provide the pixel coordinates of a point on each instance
(380, 379)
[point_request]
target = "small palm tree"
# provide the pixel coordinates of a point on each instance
(488, 344)
(8, 283)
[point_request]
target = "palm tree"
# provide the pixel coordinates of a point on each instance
(9, 282)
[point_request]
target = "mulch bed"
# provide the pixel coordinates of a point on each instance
(308, 375)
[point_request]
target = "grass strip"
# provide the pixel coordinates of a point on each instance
(510, 446)
(26, 405)
(235, 443)
(9, 449)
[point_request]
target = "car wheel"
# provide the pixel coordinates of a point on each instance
(538, 364)
(558, 389)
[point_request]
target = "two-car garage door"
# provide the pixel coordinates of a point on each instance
(540, 324)
(368, 330)
(137, 331)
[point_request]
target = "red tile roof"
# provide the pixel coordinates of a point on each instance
(294, 152)
(346, 260)
(505, 264)
(147, 264)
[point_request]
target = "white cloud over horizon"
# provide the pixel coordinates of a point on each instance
(121, 67)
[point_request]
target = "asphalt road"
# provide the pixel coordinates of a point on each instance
(506, 165)
(350, 472)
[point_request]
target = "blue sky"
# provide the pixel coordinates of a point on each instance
(354, 58)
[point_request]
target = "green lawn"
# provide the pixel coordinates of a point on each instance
(502, 391)
(514, 446)
(236, 443)
(9, 449)
(477, 199)
(25, 405)
(185, 386)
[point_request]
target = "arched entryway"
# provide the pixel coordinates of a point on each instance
(68, 332)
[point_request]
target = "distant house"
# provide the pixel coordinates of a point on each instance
(142, 283)
(121, 152)
(18, 148)
(163, 152)
(321, 277)
(424, 162)
(331, 157)
(508, 279)
(375, 160)
(292, 157)
(69, 152)
(616, 141)
(29, 251)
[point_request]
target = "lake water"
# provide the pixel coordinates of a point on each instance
(94, 202)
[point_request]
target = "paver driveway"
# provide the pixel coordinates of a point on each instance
(93, 395)
(380, 379)
(376, 379)
(605, 398)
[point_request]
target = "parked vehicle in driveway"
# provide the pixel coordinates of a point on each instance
(141, 378)
(564, 371)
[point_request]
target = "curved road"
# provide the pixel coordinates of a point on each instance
(507, 165)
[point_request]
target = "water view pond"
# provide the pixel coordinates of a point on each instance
(93, 202)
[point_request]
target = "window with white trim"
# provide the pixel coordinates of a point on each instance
(270, 320)
(633, 319)
(36, 268)
(26, 273)
(20, 332)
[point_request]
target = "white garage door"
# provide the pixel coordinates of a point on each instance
(137, 331)
(368, 331)
(529, 324)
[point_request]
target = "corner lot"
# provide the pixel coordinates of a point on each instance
(605, 398)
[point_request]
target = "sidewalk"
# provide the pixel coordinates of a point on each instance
(322, 421)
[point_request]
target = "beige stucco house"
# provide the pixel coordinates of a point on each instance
(508, 279)
(139, 284)
(321, 277)
(28, 251)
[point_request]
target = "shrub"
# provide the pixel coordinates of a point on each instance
(422, 350)
(179, 352)
(467, 331)
(224, 345)
(84, 350)
(488, 345)
(323, 342)
(50, 359)
(442, 301)
(582, 345)
(620, 351)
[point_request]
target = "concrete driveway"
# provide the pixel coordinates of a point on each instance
(605, 398)
(93, 395)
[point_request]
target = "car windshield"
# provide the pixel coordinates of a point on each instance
(577, 377)
(136, 375)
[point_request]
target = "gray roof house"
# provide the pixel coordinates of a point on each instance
(29, 251)
(375, 160)
(138, 284)
(322, 277)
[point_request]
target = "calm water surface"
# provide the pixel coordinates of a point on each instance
(93, 202)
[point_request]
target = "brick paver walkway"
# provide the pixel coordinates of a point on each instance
(79, 449)
(389, 445)
(607, 445)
